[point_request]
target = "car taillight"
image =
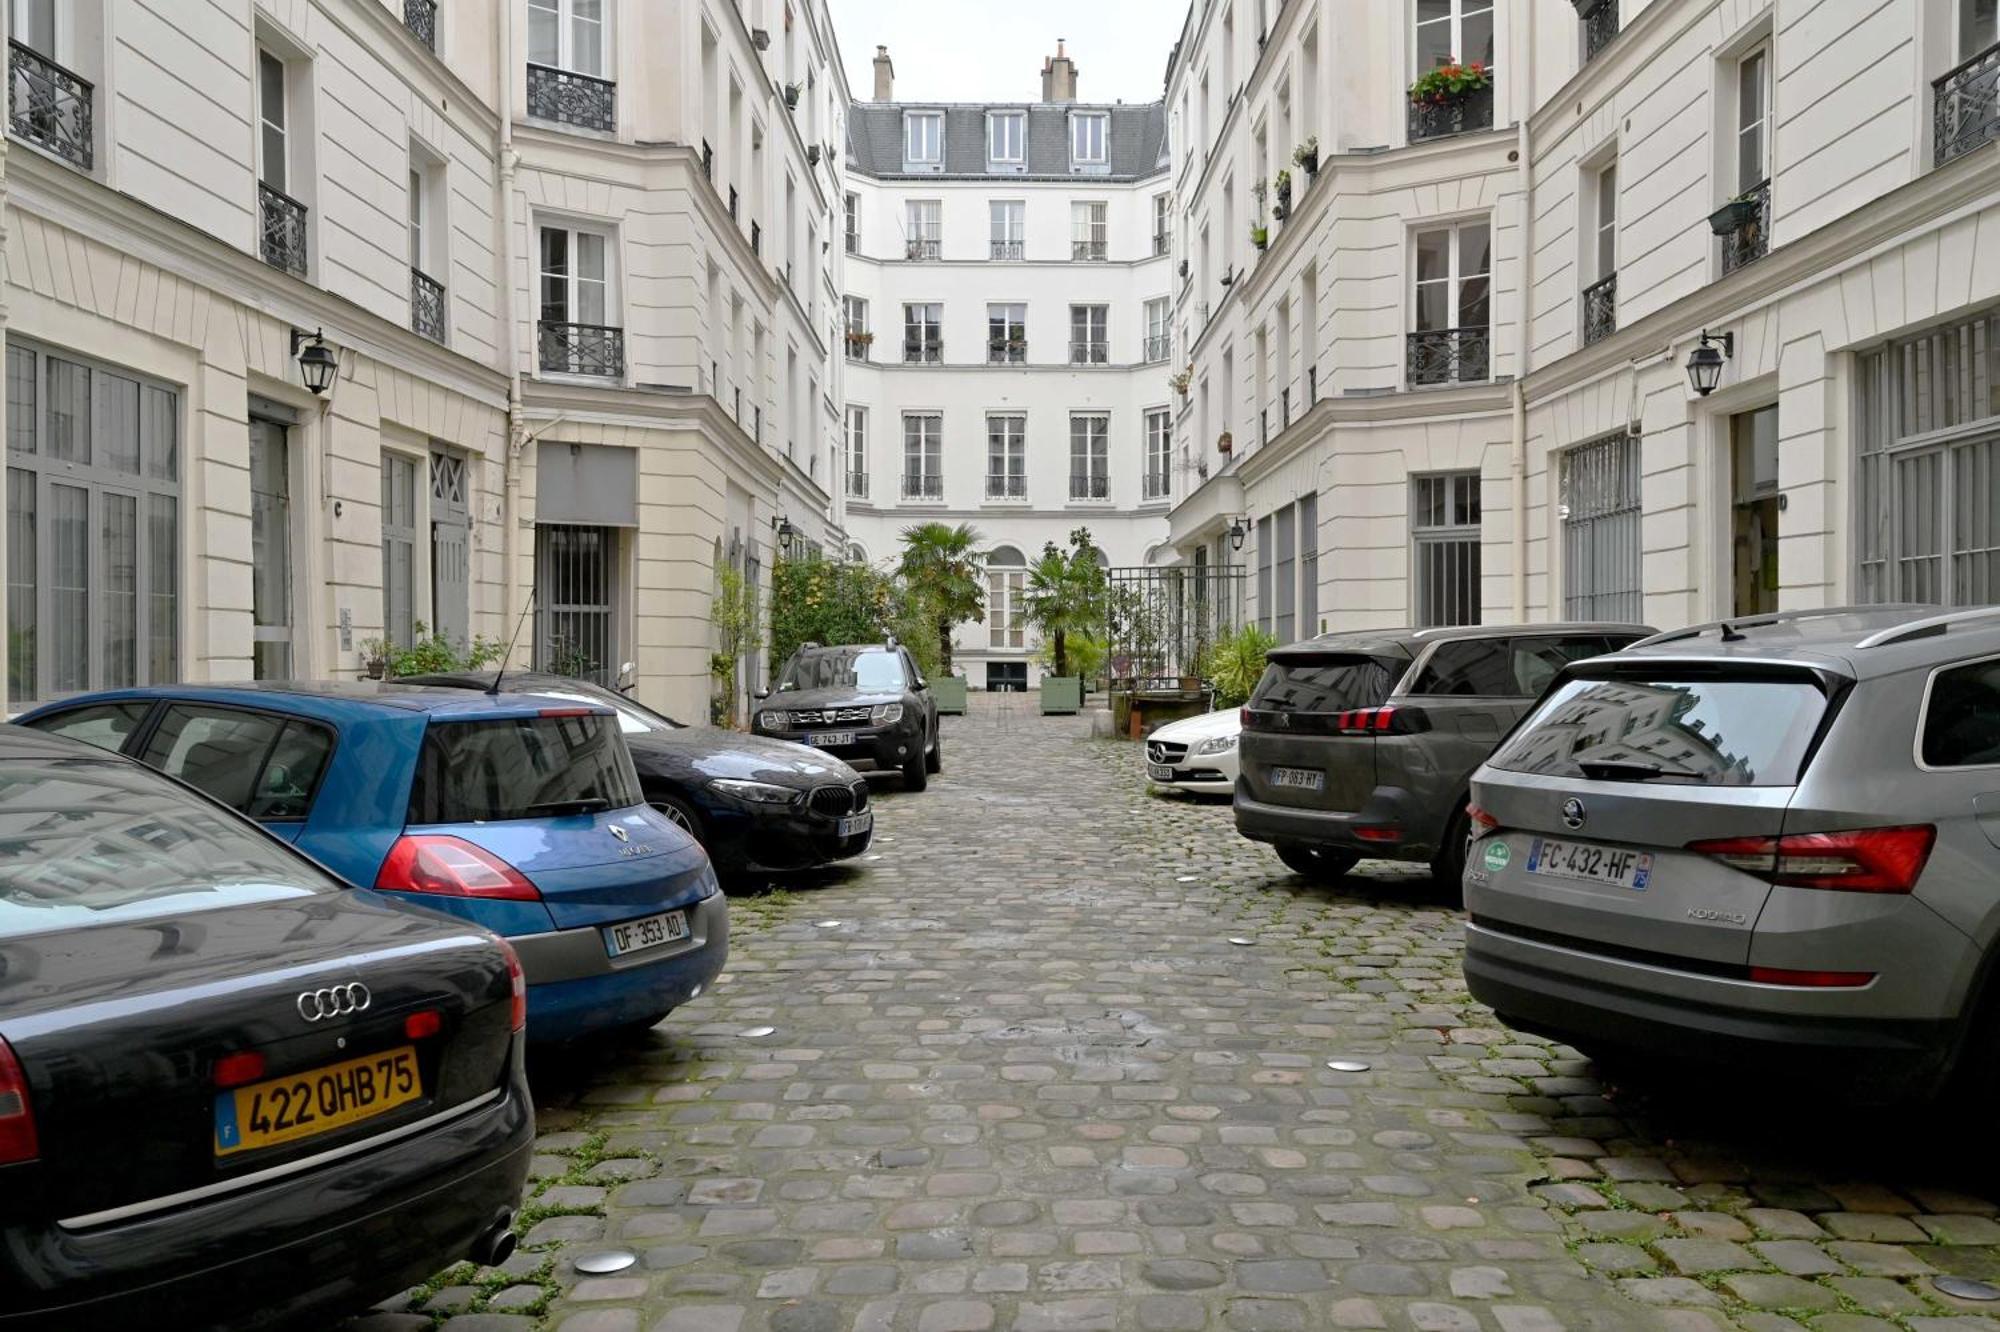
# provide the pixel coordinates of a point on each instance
(451, 867)
(423, 1024)
(1480, 822)
(1862, 860)
(17, 1115)
(1817, 980)
(517, 1008)
(1385, 720)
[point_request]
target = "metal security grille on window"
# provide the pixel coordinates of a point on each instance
(1750, 239)
(282, 234)
(581, 349)
(1444, 528)
(48, 105)
(1965, 106)
(421, 18)
(573, 600)
(1600, 309)
(1449, 355)
(427, 305)
(1600, 511)
(572, 99)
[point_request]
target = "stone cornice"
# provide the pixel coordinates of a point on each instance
(1368, 410)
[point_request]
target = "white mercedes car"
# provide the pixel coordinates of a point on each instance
(1198, 754)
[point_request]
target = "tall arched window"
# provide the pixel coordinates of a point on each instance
(1006, 581)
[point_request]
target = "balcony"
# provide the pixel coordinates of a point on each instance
(1091, 351)
(1089, 486)
(281, 230)
(427, 305)
(572, 99)
(1159, 347)
(48, 106)
(1744, 224)
(857, 485)
(1093, 250)
(1459, 115)
(1010, 249)
(1006, 486)
(584, 349)
(923, 351)
(1450, 356)
(1965, 106)
(1600, 25)
(1007, 351)
(421, 18)
(923, 486)
(1600, 309)
(1158, 485)
(923, 249)
(858, 343)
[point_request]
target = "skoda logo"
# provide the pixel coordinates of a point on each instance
(1573, 813)
(620, 833)
(336, 1001)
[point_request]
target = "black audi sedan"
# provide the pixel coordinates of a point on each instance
(866, 703)
(233, 1092)
(758, 806)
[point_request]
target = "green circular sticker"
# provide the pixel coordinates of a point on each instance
(1497, 856)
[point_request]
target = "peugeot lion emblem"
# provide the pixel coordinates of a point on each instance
(1573, 813)
(620, 833)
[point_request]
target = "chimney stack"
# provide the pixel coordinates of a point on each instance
(1058, 76)
(885, 76)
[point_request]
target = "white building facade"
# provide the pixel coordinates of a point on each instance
(1007, 337)
(1456, 380)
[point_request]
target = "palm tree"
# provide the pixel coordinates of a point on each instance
(1066, 594)
(941, 568)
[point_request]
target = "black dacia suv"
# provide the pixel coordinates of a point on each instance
(865, 703)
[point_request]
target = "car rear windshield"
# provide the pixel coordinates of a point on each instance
(89, 841)
(1333, 682)
(871, 670)
(1709, 732)
(522, 768)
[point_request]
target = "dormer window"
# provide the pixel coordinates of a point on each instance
(1007, 139)
(1087, 134)
(923, 140)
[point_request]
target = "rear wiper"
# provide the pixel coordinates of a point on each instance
(1621, 770)
(582, 805)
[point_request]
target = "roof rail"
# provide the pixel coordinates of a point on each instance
(1773, 617)
(1929, 627)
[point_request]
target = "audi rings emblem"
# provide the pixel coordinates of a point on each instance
(1573, 813)
(336, 1001)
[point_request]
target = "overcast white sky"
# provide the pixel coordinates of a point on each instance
(981, 51)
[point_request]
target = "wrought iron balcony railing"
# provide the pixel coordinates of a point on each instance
(1087, 249)
(48, 106)
(1750, 238)
(1458, 115)
(281, 230)
(1450, 355)
(923, 485)
(427, 305)
(1600, 25)
(857, 485)
(1009, 249)
(1965, 106)
(924, 352)
(1007, 351)
(421, 18)
(1089, 486)
(1159, 347)
(1158, 484)
(922, 248)
(572, 99)
(585, 349)
(1600, 309)
(1089, 351)
(1006, 486)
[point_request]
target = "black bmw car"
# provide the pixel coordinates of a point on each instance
(866, 703)
(233, 1092)
(758, 806)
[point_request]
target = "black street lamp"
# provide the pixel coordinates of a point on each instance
(317, 364)
(1704, 363)
(1236, 534)
(787, 534)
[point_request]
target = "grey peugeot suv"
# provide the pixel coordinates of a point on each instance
(1771, 840)
(1360, 743)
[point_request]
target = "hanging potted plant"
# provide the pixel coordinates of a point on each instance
(1738, 213)
(1225, 442)
(791, 97)
(1449, 84)
(1179, 382)
(860, 338)
(1260, 236)
(1306, 157)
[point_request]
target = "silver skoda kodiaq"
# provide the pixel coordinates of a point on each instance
(1773, 840)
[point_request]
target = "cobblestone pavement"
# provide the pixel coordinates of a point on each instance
(1017, 1075)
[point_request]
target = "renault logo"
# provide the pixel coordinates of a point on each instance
(1573, 813)
(336, 1001)
(620, 833)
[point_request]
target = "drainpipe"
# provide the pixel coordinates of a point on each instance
(1526, 194)
(510, 340)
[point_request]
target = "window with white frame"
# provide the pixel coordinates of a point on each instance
(1089, 456)
(1009, 223)
(1444, 536)
(1159, 454)
(274, 139)
(1600, 257)
(1006, 457)
(857, 452)
(1007, 334)
(1161, 218)
(92, 527)
(569, 35)
(923, 333)
(399, 549)
(428, 236)
(1007, 139)
(923, 220)
(923, 140)
(1599, 508)
(1753, 111)
(1452, 304)
(1978, 27)
(1453, 32)
(1285, 574)
(1159, 341)
(855, 313)
(577, 332)
(1006, 600)
(923, 456)
(1089, 230)
(1309, 564)
(1087, 134)
(1089, 334)
(852, 222)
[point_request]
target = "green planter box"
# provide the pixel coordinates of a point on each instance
(950, 695)
(1061, 693)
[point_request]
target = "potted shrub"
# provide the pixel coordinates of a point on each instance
(1235, 664)
(1179, 382)
(1066, 596)
(1224, 442)
(1451, 83)
(1737, 214)
(1306, 157)
(791, 97)
(1260, 236)
(1283, 186)
(375, 658)
(941, 570)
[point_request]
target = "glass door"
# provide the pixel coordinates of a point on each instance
(271, 549)
(1753, 511)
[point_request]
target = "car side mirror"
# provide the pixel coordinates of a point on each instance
(761, 694)
(628, 676)
(922, 684)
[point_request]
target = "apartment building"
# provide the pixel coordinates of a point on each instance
(1007, 335)
(1685, 309)
(330, 319)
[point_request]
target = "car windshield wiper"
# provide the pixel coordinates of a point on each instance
(581, 805)
(1624, 770)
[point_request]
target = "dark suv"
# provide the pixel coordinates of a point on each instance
(863, 702)
(1362, 744)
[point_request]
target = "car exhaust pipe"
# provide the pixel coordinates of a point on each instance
(497, 1245)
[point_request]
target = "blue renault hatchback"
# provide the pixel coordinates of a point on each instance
(518, 813)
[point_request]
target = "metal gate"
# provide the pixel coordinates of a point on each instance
(451, 549)
(575, 600)
(1600, 510)
(1163, 621)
